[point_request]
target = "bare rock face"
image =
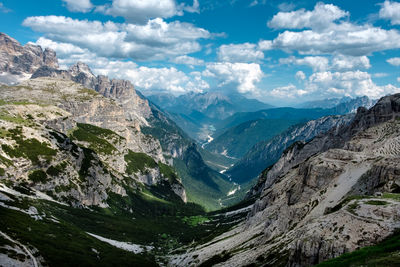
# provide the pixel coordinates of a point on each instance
(321, 199)
(18, 62)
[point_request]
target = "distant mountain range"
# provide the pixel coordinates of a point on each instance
(235, 135)
(195, 113)
(340, 103)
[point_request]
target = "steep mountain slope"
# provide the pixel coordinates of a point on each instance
(45, 135)
(236, 141)
(266, 153)
(196, 113)
(335, 194)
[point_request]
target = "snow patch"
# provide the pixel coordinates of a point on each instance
(123, 245)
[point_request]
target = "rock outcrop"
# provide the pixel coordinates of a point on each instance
(18, 62)
(334, 194)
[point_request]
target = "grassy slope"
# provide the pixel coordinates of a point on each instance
(386, 253)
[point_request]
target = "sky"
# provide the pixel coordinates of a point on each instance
(279, 52)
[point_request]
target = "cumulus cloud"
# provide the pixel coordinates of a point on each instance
(316, 63)
(139, 12)
(78, 5)
(337, 84)
(323, 32)
(239, 53)
(391, 11)
(395, 61)
(243, 76)
(265, 45)
(300, 75)
(337, 62)
(341, 62)
(322, 16)
(289, 91)
(350, 83)
(187, 60)
(62, 49)
(155, 40)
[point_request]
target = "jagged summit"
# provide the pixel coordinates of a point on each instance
(18, 62)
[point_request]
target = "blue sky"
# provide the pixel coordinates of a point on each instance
(278, 52)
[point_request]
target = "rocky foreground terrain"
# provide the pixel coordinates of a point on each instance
(332, 195)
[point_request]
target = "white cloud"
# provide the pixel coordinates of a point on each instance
(344, 39)
(155, 40)
(243, 76)
(316, 63)
(300, 75)
(398, 79)
(265, 45)
(320, 17)
(390, 10)
(140, 11)
(4, 9)
(289, 91)
(239, 53)
(341, 63)
(186, 60)
(380, 74)
(337, 62)
(336, 84)
(350, 83)
(323, 33)
(62, 49)
(286, 6)
(395, 61)
(78, 5)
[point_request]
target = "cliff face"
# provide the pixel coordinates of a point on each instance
(90, 148)
(334, 194)
(18, 62)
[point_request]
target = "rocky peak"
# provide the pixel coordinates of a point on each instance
(80, 67)
(50, 58)
(21, 61)
(9, 45)
(115, 88)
